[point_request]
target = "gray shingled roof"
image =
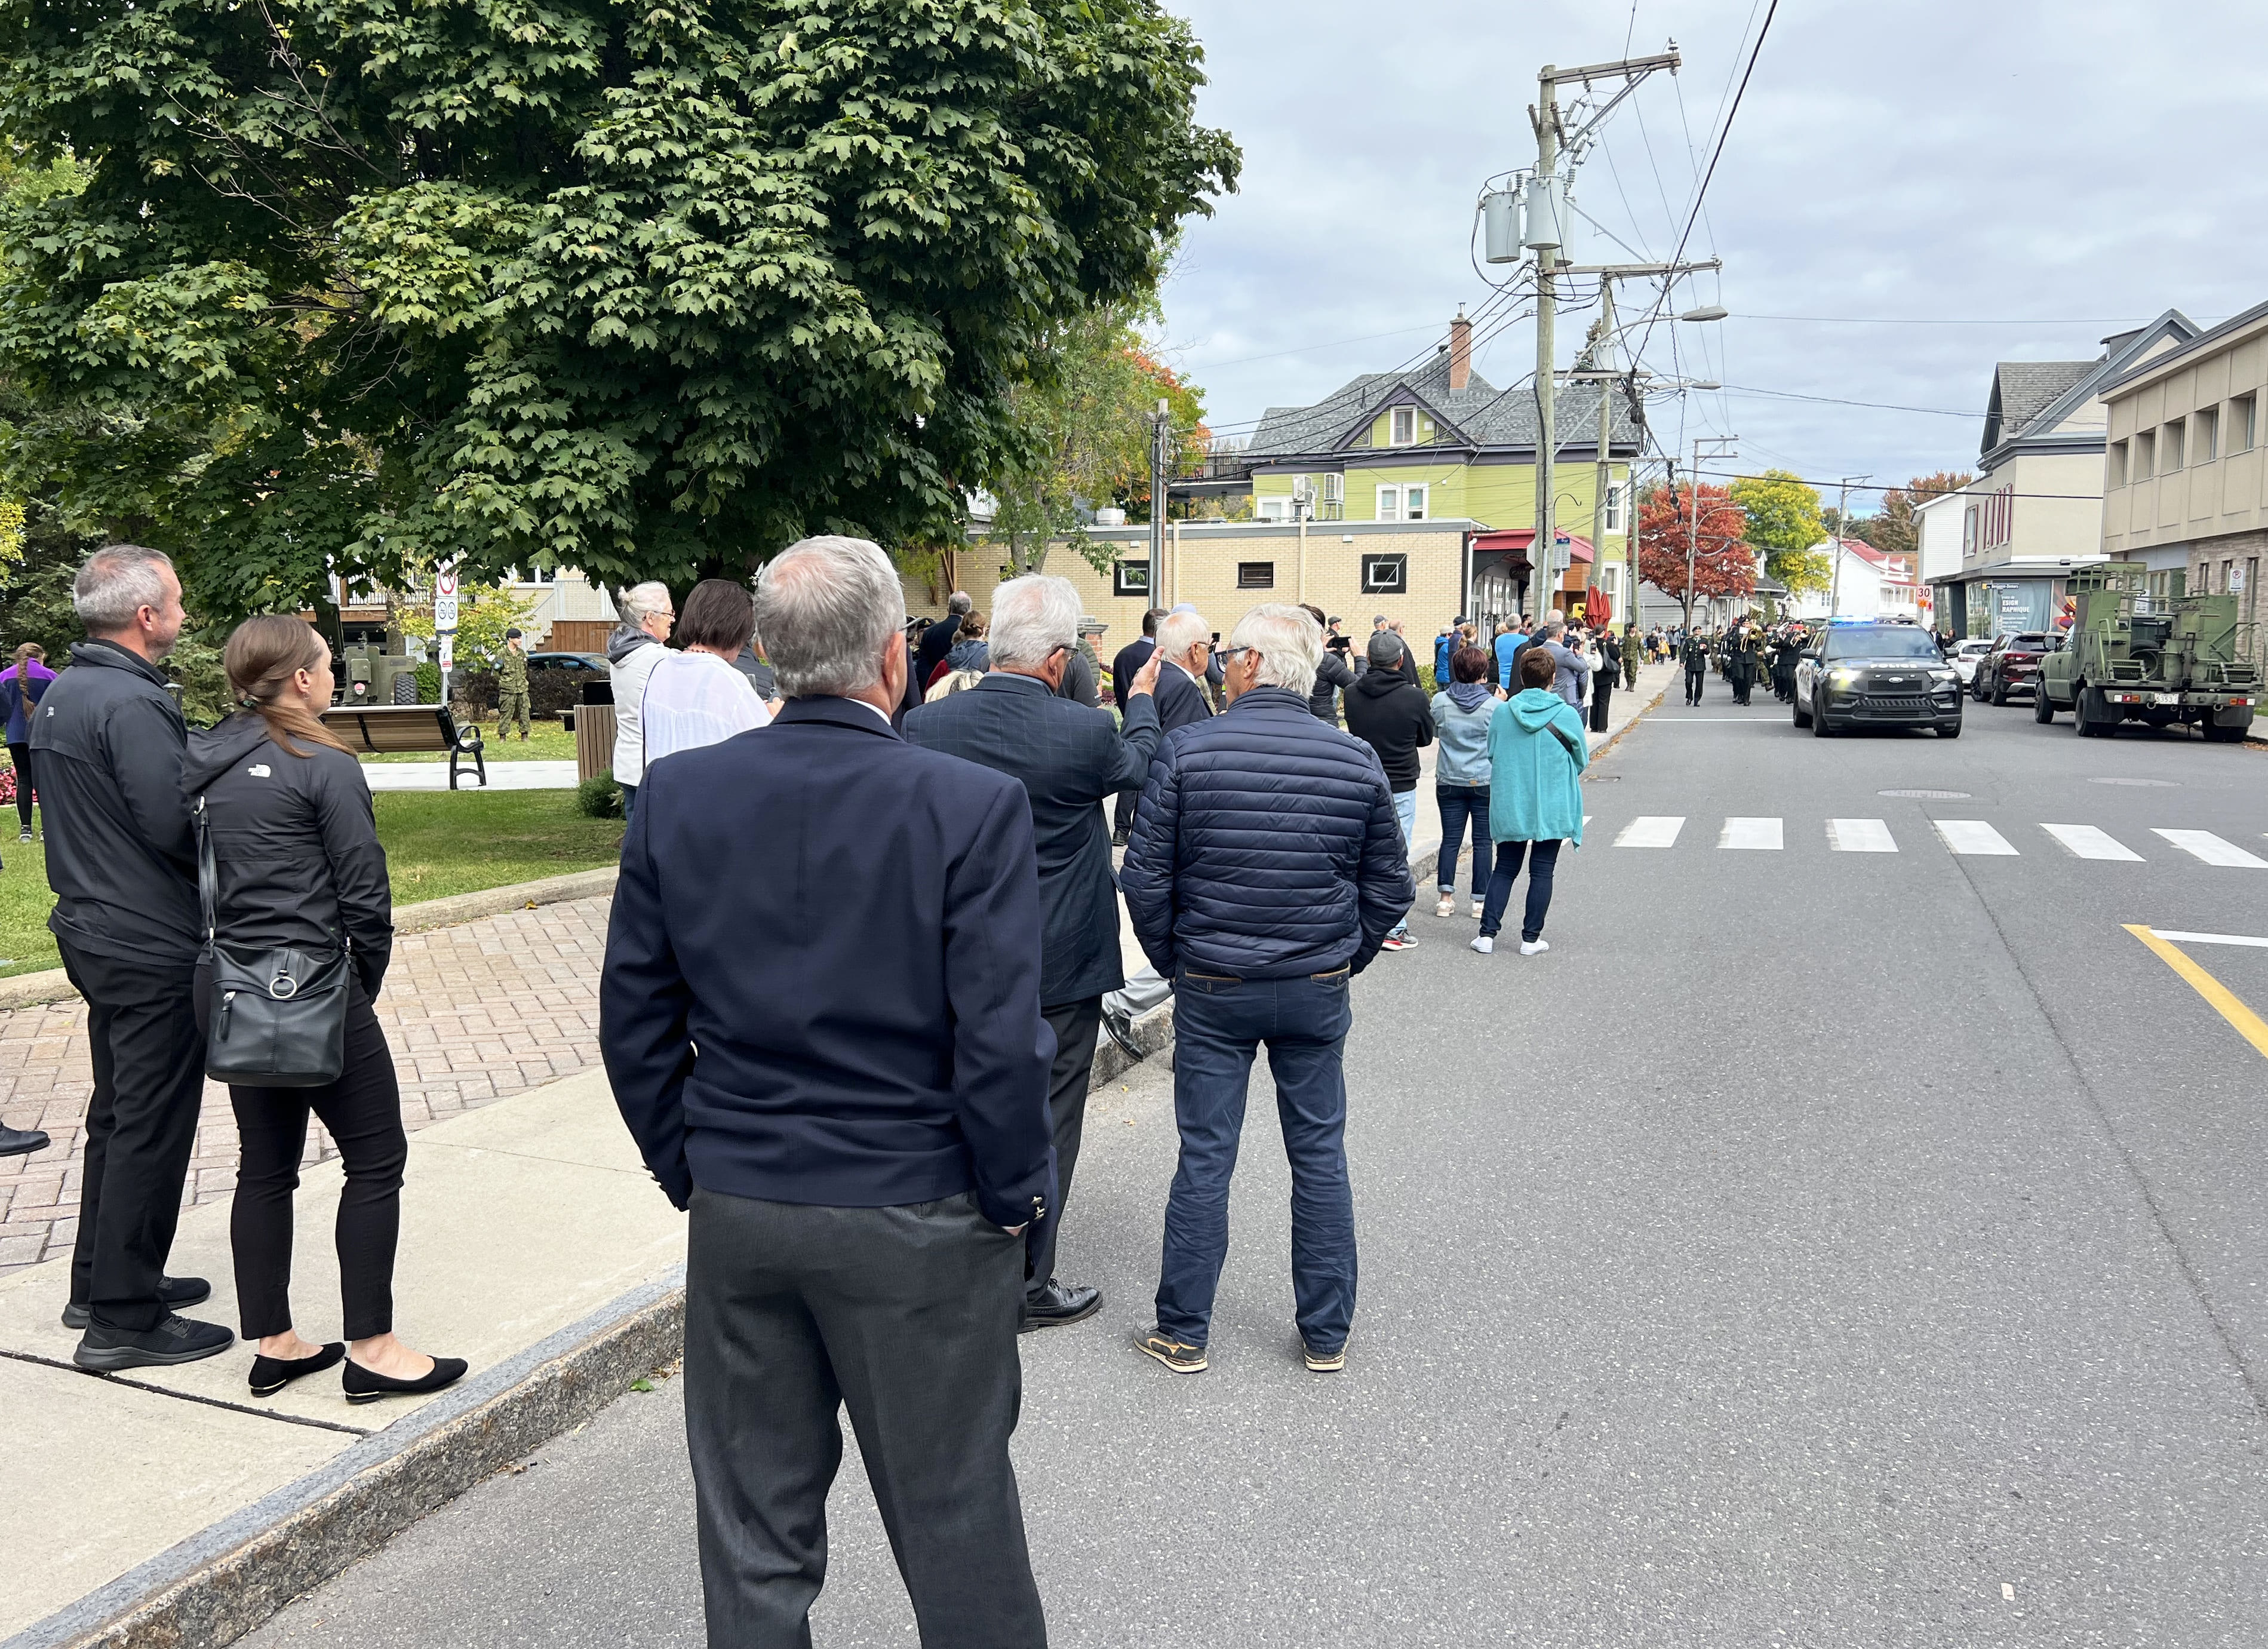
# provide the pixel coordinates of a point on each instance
(2022, 390)
(1484, 415)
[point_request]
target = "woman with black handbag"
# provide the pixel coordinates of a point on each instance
(300, 927)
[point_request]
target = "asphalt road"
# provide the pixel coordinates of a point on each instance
(1816, 1247)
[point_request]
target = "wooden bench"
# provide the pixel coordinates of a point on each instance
(392, 729)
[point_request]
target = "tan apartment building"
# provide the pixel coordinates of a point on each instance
(2185, 487)
(1415, 571)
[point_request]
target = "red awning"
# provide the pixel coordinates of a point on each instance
(1578, 548)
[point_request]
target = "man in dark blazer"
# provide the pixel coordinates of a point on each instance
(821, 1016)
(936, 641)
(1186, 645)
(1132, 658)
(1070, 760)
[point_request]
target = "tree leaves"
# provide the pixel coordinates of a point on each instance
(355, 285)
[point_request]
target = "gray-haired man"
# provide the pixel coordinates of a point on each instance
(1070, 760)
(110, 744)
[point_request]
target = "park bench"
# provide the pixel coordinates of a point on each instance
(391, 729)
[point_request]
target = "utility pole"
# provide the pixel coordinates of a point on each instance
(1160, 434)
(1835, 538)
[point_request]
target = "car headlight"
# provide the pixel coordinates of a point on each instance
(1842, 677)
(1943, 675)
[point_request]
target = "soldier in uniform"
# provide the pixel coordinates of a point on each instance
(1693, 653)
(1632, 649)
(1741, 661)
(511, 686)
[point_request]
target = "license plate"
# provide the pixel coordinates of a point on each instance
(2169, 698)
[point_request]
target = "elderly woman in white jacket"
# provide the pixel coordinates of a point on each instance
(696, 697)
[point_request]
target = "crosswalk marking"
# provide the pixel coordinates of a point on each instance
(1860, 836)
(2087, 843)
(1651, 832)
(1973, 836)
(2210, 848)
(1762, 834)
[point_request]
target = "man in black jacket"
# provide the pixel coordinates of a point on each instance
(937, 640)
(1186, 645)
(1387, 709)
(820, 1015)
(1068, 759)
(110, 745)
(1266, 869)
(1131, 659)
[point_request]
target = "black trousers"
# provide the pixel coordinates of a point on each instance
(21, 755)
(141, 1126)
(1076, 1026)
(1602, 691)
(1122, 812)
(362, 1110)
(1693, 681)
(906, 1315)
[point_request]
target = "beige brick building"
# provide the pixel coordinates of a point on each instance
(1411, 570)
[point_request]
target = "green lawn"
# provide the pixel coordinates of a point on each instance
(436, 843)
(547, 742)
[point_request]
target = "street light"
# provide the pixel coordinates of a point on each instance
(1707, 312)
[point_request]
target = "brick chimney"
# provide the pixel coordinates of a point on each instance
(1461, 350)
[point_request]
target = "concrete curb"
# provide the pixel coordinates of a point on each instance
(220, 1584)
(1637, 715)
(52, 984)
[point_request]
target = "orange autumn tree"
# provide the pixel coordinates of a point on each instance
(1706, 520)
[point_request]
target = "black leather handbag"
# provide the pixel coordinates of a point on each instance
(278, 1014)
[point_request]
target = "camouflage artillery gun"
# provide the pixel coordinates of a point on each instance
(2163, 661)
(373, 675)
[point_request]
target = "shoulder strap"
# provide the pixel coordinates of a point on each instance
(208, 877)
(1560, 733)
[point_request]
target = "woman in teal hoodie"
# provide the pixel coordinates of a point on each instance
(1537, 752)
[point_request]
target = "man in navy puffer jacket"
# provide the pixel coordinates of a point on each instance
(1266, 869)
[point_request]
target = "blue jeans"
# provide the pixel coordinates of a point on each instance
(1540, 869)
(1406, 814)
(1218, 1024)
(630, 803)
(1459, 803)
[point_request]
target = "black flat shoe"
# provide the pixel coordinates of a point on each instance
(1054, 1306)
(173, 1292)
(367, 1385)
(271, 1374)
(19, 1142)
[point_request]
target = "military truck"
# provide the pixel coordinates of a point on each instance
(373, 676)
(2162, 659)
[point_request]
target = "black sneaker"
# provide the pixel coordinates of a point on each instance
(175, 1340)
(173, 1292)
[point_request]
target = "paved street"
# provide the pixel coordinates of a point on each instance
(1818, 1246)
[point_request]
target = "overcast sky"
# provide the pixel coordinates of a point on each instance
(1993, 180)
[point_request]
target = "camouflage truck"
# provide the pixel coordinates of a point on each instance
(2164, 660)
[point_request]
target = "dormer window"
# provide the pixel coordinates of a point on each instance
(1401, 425)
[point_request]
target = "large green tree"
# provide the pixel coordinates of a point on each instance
(1782, 514)
(356, 284)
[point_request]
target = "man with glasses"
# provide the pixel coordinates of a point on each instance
(633, 650)
(1185, 643)
(1070, 760)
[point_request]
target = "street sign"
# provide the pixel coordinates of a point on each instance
(448, 651)
(445, 582)
(444, 612)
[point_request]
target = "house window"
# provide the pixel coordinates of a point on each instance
(1614, 508)
(1389, 504)
(2117, 465)
(2208, 434)
(1333, 497)
(2170, 447)
(1255, 575)
(1402, 423)
(1273, 509)
(1385, 574)
(2145, 452)
(1130, 578)
(1413, 503)
(1968, 530)
(2241, 409)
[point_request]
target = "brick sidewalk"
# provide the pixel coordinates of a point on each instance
(473, 1013)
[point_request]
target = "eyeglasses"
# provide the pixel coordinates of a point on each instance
(1226, 654)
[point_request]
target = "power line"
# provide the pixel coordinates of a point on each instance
(2067, 497)
(1837, 401)
(1949, 320)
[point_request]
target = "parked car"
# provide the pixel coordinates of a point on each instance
(2012, 666)
(586, 662)
(1876, 675)
(1967, 655)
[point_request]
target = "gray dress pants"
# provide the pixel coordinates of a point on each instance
(907, 1317)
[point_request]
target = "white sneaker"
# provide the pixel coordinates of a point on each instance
(1485, 944)
(1448, 907)
(1533, 947)
(1479, 909)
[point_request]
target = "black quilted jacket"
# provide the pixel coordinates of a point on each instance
(1265, 846)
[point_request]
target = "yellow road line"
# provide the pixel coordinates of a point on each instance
(2248, 1025)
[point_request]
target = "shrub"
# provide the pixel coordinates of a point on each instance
(428, 683)
(599, 797)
